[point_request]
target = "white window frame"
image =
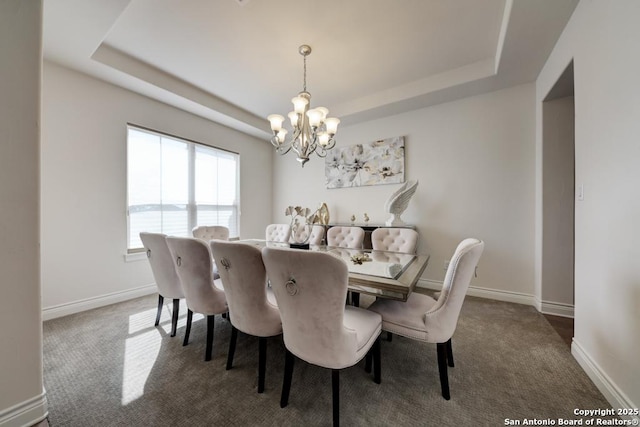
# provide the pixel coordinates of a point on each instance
(192, 207)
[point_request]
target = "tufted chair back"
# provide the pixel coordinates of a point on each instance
(394, 240)
(278, 233)
(345, 237)
(317, 234)
(211, 232)
(161, 263)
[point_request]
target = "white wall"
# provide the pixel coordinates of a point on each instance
(21, 394)
(84, 185)
(602, 39)
(474, 159)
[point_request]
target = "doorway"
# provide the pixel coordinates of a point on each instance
(558, 203)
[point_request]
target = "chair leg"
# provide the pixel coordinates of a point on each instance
(442, 367)
(188, 328)
(262, 363)
(160, 304)
(210, 323)
(450, 354)
(389, 336)
(377, 367)
(355, 299)
(232, 346)
(335, 387)
(289, 358)
(174, 316)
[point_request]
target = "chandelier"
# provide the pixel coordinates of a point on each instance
(312, 132)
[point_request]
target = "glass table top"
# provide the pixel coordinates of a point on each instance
(362, 261)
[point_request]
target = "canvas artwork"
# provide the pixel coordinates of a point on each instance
(373, 163)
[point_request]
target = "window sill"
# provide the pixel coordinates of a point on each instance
(134, 257)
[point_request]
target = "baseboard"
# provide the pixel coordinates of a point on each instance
(555, 308)
(607, 387)
(55, 311)
(475, 291)
(27, 413)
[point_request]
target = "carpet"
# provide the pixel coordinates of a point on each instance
(111, 367)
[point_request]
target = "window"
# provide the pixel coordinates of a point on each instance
(175, 185)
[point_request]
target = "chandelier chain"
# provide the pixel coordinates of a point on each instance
(304, 81)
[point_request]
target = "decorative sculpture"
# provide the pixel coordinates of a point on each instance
(323, 213)
(398, 202)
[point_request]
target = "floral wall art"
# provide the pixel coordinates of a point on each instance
(373, 163)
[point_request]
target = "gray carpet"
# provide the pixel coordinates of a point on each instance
(110, 366)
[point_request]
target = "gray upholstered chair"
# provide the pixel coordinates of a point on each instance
(245, 285)
(394, 239)
(425, 319)
(192, 260)
(310, 288)
(210, 232)
(164, 274)
(345, 237)
(278, 233)
(316, 237)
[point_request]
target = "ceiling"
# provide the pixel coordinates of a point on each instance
(236, 61)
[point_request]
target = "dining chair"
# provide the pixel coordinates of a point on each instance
(164, 274)
(425, 319)
(315, 237)
(394, 239)
(192, 260)
(310, 288)
(245, 286)
(210, 232)
(278, 233)
(345, 237)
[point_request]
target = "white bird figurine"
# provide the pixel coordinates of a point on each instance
(398, 202)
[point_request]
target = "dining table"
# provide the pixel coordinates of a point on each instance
(382, 274)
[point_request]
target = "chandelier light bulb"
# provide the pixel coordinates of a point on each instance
(276, 122)
(282, 134)
(299, 104)
(315, 117)
(324, 112)
(323, 139)
(332, 125)
(293, 118)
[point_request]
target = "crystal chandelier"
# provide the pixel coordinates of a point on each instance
(312, 132)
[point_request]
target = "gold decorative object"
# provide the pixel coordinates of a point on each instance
(360, 258)
(366, 218)
(353, 219)
(323, 213)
